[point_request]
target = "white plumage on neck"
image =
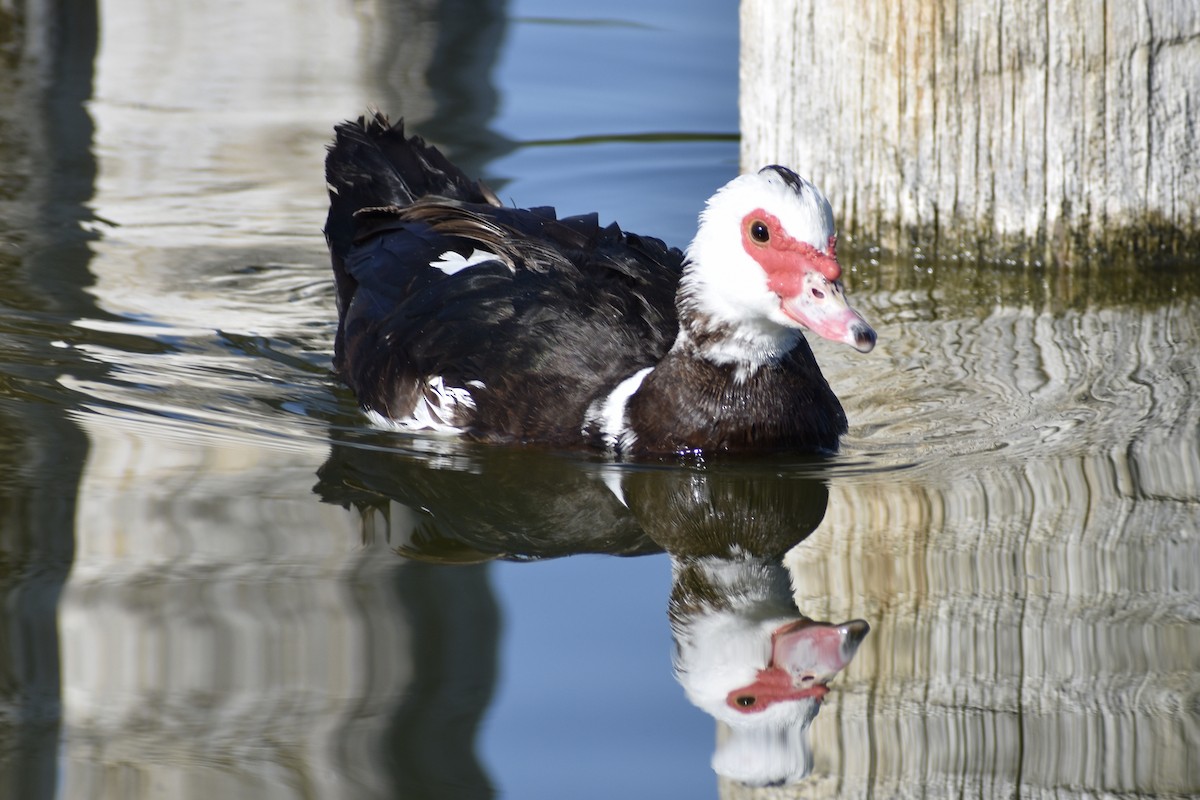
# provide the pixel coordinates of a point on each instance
(746, 348)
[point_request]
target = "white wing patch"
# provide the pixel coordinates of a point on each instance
(608, 413)
(439, 408)
(451, 262)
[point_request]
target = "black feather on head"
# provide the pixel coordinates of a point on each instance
(794, 181)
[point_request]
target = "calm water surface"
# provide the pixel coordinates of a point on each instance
(219, 582)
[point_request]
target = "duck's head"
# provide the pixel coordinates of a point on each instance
(764, 680)
(763, 260)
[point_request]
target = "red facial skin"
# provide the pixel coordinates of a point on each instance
(773, 685)
(785, 258)
(804, 657)
(806, 281)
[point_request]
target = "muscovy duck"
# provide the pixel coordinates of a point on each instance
(459, 314)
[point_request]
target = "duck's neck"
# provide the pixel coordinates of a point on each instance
(731, 584)
(726, 387)
(747, 346)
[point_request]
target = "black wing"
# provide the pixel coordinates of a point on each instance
(372, 164)
(565, 311)
(562, 312)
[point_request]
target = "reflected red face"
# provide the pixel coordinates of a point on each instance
(805, 655)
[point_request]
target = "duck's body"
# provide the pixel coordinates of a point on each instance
(459, 314)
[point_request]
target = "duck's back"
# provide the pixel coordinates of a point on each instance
(458, 313)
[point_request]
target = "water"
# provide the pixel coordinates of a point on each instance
(218, 580)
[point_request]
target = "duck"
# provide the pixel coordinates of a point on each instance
(459, 314)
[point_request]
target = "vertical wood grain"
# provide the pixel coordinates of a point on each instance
(1028, 128)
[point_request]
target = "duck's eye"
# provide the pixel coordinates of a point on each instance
(759, 231)
(745, 700)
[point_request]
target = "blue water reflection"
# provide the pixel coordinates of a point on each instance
(604, 715)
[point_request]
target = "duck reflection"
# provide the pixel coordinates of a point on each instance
(744, 653)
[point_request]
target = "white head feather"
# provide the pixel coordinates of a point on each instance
(726, 285)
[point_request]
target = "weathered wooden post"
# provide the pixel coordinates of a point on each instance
(1035, 129)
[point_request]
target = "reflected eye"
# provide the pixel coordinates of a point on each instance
(745, 700)
(759, 231)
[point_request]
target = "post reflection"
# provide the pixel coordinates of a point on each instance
(46, 183)
(744, 653)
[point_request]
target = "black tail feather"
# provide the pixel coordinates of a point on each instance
(372, 164)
